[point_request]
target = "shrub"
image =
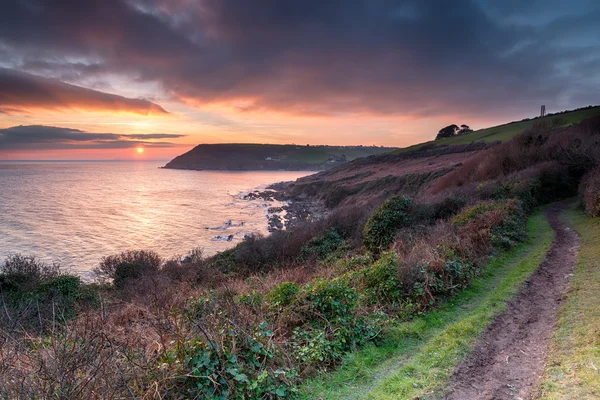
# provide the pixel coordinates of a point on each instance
(331, 298)
(501, 222)
(253, 300)
(591, 193)
(323, 345)
(348, 222)
(35, 292)
(239, 367)
(448, 207)
(320, 247)
(25, 273)
(282, 295)
(129, 265)
(381, 228)
(472, 213)
(380, 282)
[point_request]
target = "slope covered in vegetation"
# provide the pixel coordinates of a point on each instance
(502, 133)
(257, 320)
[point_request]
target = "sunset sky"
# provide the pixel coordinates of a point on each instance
(98, 79)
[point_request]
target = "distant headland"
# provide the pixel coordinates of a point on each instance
(270, 157)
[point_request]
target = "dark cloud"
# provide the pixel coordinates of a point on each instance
(419, 57)
(22, 91)
(39, 137)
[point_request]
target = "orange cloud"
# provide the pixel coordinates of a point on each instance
(21, 92)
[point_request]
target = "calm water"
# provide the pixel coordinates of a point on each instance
(75, 213)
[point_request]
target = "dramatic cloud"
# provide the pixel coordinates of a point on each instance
(38, 137)
(22, 92)
(417, 58)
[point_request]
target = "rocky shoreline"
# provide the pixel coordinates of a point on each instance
(292, 212)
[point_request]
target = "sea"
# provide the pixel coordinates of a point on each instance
(75, 213)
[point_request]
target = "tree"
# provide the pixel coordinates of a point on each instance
(448, 131)
(464, 129)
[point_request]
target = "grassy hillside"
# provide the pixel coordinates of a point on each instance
(241, 157)
(505, 132)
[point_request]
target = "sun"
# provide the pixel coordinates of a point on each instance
(140, 150)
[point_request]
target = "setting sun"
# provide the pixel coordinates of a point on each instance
(140, 150)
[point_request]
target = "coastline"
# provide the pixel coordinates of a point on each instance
(293, 211)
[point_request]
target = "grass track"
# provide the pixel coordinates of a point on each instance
(417, 357)
(573, 363)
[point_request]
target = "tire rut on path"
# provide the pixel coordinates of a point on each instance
(509, 357)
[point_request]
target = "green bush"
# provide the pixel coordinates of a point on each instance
(472, 213)
(331, 298)
(504, 218)
(320, 247)
(254, 300)
(282, 295)
(381, 228)
(353, 263)
(239, 366)
(380, 281)
(35, 292)
(324, 344)
(129, 265)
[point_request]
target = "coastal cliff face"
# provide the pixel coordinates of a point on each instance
(269, 157)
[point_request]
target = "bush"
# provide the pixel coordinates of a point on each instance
(591, 193)
(25, 273)
(502, 223)
(320, 247)
(379, 283)
(472, 213)
(348, 222)
(34, 292)
(448, 207)
(322, 346)
(129, 265)
(282, 295)
(239, 367)
(331, 298)
(381, 228)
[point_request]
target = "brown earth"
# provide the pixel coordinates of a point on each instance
(509, 358)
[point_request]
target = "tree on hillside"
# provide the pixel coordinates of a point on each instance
(453, 130)
(464, 129)
(448, 131)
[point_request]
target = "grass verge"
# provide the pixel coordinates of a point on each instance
(417, 357)
(573, 363)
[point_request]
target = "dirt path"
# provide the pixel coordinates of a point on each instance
(509, 357)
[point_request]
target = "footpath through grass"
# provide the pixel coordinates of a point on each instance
(573, 363)
(418, 357)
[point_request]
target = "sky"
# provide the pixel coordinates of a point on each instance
(100, 79)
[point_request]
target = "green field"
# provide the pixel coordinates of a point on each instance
(505, 132)
(418, 357)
